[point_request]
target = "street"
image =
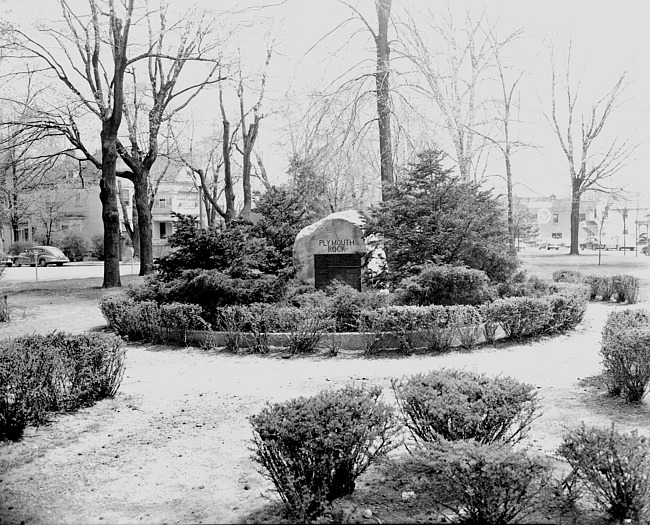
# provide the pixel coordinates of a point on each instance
(67, 271)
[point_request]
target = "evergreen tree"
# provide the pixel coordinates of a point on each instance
(434, 217)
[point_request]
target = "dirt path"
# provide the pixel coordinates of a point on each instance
(173, 446)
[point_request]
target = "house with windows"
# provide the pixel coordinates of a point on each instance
(74, 206)
(617, 225)
(554, 218)
(175, 194)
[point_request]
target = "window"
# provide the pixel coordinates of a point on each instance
(556, 217)
(582, 217)
(556, 235)
(163, 230)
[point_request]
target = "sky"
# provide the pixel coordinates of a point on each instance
(608, 38)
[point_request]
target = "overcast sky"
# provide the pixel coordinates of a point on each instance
(608, 38)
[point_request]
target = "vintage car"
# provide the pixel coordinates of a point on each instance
(41, 255)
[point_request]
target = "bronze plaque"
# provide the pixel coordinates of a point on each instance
(344, 267)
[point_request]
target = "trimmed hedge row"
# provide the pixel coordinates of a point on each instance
(621, 288)
(435, 327)
(40, 374)
(150, 321)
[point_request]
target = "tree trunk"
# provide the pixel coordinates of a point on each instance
(575, 215)
(383, 96)
(511, 222)
(229, 189)
(246, 181)
(136, 231)
(110, 214)
(145, 229)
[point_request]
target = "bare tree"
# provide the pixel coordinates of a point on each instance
(162, 99)
(205, 164)
(88, 57)
(453, 67)
(505, 104)
(382, 87)
(593, 158)
(242, 138)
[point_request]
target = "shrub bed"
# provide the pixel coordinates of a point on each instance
(311, 316)
(45, 373)
(625, 349)
(313, 449)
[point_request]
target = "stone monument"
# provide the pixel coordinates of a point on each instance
(331, 249)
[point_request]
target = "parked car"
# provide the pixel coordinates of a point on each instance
(6, 259)
(43, 255)
(591, 243)
(550, 246)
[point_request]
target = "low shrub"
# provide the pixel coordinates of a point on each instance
(622, 288)
(445, 285)
(4, 305)
(149, 321)
(568, 303)
(520, 317)
(456, 405)
(97, 246)
(26, 378)
(625, 349)
(568, 276)
(59, 371)
(75, 246)
(614, 467)
(627, 288)
(345, 304)
(305, 328)
(531, 287)
(313, 449)
(468, 324)
(485, 483)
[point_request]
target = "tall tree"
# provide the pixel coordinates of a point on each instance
(593, 158)
(242, 139)
(382, 88)
(161, 100)
(88, 58)
(505, 103)
(453, 65)
(434, 216)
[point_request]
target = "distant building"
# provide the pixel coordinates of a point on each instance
(176, 194)
(75, 207)
(617, 225)
(554, 218)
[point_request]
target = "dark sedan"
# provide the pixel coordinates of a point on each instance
(41, 255)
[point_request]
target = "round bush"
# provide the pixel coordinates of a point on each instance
(456, 405)
(445, 285)
(313, 449)
(485, 484)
